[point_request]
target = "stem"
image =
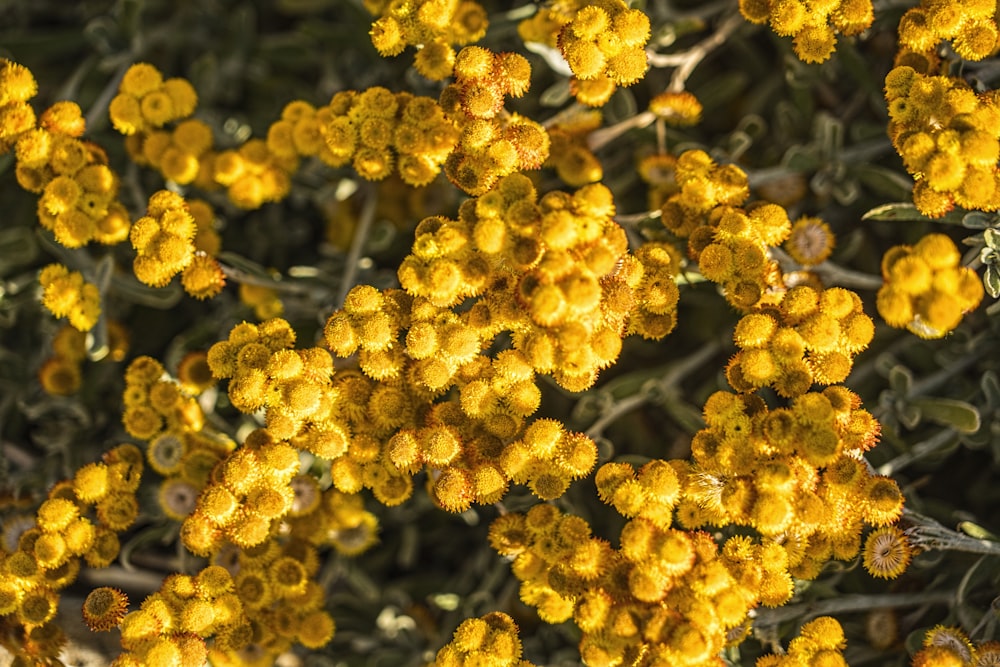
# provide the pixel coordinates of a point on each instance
(357, 245)
(671, 378)
(929, 535)
(846, 603)
(100, 106)
(701, 50)
(917, 452)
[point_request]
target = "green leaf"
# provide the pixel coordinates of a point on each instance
(900, 380)
(991, 280)
(959, 415)
(992, 238)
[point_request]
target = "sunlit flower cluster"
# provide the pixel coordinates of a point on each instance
(949, 138)
(488, 641)
(574, 162)
(665, 594)
(603, 44)
(926, 290)
(66, 294)
(700, 185)
(378, 131)
(970, 26)
(78, 192)
(821, 641)
(145, 101)
(951, 646)
(432, 26)
(183, 155)
(484, 78)
(79, 520)
(17, 86)
(812, 25)
(794, 474)
(808, 336)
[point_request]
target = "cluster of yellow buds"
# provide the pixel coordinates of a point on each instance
(47, 557)
(488, 150)
(949, 138)
(164, 240)
(604, 44)
(172, 625)
(377, 130)
(945, 645)
(627, 602)
(813, 25)
(794, 474)
(299, 132)
(700, 186)
(66, 294)
(971, 27)
(925, 288)
(330, 517)
(732, 250)
(78, 191)
(574, 162)
(821, 641)
(433, 26)
(184, 155)
(488, 641)
(17, 86)
(483, 78)
(809, 336)
(165, 413)
(253, 175)
(61, 374)
(146, 101)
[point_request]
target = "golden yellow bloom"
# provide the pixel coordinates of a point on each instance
(104, 608)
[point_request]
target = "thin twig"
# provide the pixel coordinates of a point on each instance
(357, 244)
(674, 375)
(846, 603)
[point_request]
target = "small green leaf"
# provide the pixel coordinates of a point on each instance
(950, 412)
(905, 211)
(991, 388)
(900, 380)
(910, 416)
(992, 238)
(977, 220)
(991, 280)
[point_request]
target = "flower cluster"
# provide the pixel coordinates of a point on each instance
(184, 155)
(700, 185)
(166, 414)
(487, 641)
(971, 27)
(66, 294)
(78, 199)
(47, 557)
(793, 474)
(433, 26)
(812, 25)
(17, 86)
(172, 625)
(488, 150)
(629, 602)
(732, 250)
(377, 130)
(253, 175)
(604, 44)
(483, 78)
(808, 336)
(820, 642)
(574, 162)
(164, 241)
(949, 138)
(925, 288)
(145, 101)
(945, 645)
(61, 374)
